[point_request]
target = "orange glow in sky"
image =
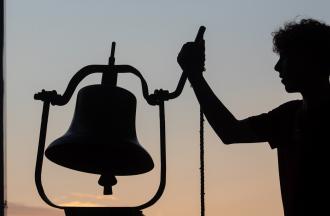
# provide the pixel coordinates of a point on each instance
(47, 42)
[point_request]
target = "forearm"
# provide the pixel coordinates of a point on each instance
(191, 59)
(219, 117)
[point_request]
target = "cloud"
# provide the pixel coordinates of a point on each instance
(81, 199)
(80, 204)
(16, 209)
(92, 196)
(91, 200)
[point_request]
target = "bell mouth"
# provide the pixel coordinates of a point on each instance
(94, 155)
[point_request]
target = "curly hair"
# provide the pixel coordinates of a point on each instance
(308, 37)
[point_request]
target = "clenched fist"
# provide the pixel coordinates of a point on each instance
(192, 58)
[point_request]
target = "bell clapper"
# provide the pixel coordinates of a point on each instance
(107, 181)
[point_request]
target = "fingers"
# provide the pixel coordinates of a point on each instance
(193, 48)
(192, 55)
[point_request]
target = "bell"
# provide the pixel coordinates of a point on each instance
(102, 138)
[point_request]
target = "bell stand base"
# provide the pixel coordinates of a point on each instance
(102, 211)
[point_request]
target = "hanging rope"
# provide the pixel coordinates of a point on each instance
(202, 186)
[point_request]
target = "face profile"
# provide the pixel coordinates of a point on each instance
(293, 72)
(303, 48)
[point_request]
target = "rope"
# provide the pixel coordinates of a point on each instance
(202, 179)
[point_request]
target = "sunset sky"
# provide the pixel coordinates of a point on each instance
(47, 42)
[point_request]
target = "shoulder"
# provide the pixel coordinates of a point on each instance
(294, 104)
(280, 112)
(287, 108)
(274, 125)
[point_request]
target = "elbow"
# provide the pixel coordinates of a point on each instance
(228, 137)
(230, 133)
(227, 141)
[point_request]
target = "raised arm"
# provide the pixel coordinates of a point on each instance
(230, 130)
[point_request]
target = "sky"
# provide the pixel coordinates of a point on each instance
(47, 42)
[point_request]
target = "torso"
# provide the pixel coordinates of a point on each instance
(303, 160)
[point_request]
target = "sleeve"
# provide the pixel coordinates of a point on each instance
(275, 126)
(262, 127)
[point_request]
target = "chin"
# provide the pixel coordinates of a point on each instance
(291, 89)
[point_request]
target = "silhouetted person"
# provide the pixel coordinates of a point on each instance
(298, 129)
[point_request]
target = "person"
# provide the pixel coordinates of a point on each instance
(298, 129)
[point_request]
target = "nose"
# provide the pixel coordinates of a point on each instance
(277, 66)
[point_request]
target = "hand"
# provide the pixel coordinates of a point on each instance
(192, 58)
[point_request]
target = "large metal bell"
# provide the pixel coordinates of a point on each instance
(102, 138)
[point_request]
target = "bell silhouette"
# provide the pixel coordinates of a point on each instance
(102, 138)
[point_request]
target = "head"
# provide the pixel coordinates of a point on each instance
(304, 51)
